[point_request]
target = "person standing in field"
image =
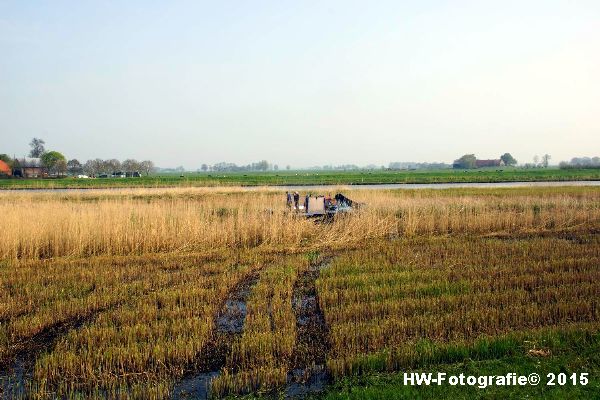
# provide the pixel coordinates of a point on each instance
(288, 196)
(296, 200)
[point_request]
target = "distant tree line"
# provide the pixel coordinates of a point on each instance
(98, 167)
(581, 162)
(346, 167)
(539, 162)
(263, 165)
(416, 165)
(343, 167)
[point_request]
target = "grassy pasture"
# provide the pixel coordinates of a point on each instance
(190, 179)
(116, 293)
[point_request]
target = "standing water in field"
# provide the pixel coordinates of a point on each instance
(17, 375)
(14, 380)
(308, 374)
(229, 324)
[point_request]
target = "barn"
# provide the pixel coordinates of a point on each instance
(29, 168)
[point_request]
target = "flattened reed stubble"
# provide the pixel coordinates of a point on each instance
(260, 358)
(381, 302)
(149, 339)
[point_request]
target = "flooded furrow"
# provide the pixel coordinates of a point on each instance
(16, 372)
(17, 368)
(308, 374)
(229, 324)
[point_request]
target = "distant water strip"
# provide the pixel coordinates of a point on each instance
(305, 188)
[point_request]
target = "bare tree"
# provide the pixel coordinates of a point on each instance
(545, 160)
(262, 165)
(536, 160)
(88, 168)
(74, 167)
(37, 148)
(93, 167)
(131, 165)
(113, 165)
(60, 168)
(147, 166)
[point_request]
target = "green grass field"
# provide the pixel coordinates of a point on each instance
(578, 353)
(312, 178)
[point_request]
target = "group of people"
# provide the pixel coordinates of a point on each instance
(294, 199)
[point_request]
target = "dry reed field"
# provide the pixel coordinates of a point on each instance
(120, 293)
(48, 225)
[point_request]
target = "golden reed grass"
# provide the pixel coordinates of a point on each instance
(134, 222)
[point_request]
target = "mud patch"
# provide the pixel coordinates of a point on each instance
(308, 374)
(194, 387)
(233, 313)
(229, 324)
(305, 382)
(16, 373)
(586, 237)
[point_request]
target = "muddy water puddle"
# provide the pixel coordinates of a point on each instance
(16, 375)
(308, 375)
(229, 325)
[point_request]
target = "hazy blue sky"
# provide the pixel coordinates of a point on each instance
(301, 82)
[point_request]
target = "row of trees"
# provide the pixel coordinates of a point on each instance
(539, 162)
(107, 167)
(231, 167)
(343, 167)
(417, 165)
(56, 163)
(581, 162)
(470, 161)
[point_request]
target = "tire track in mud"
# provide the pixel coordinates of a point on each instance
(308, 373)
(17, 367)
(16, 371)
(229, 324)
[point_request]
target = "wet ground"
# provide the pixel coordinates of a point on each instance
(16, 372)
(229, 324)
(308, 374)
